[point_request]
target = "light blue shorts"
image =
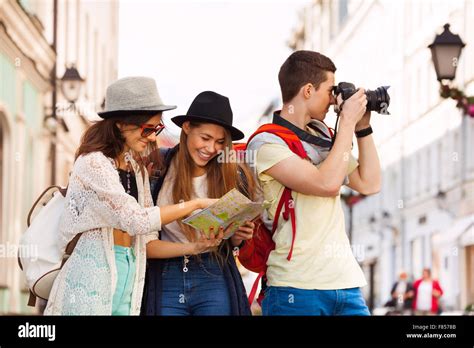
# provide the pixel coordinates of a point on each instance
(125, 264)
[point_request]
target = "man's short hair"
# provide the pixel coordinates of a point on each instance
(300, 68)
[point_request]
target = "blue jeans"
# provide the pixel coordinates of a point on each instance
(293, 301)
(202, 290)
(125, 264)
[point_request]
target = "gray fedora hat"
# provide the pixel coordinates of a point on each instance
(133, 95)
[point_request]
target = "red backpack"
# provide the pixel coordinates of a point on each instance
(254, 253)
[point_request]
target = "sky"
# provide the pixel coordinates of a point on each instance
(234, 48)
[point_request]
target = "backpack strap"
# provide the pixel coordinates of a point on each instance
(62, 190)
(301, 134)
(31, 299)
(286, 199)
(167, 155)
(253, 292)
(288, 136)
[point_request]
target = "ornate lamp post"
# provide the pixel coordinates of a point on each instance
(445, 51)
(71, 84)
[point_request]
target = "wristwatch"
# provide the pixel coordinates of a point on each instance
(364, 132)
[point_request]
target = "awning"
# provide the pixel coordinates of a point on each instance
(467, 237)
(461, 232)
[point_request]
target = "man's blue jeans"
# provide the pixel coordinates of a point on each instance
(202, 290)
(291, 301)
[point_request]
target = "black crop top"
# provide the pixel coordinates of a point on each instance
(133, 183)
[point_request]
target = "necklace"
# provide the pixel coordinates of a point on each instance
(128, 180)
(127, 163)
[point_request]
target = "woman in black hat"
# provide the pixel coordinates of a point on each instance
(208, 284)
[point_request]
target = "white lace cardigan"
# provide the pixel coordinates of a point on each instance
(96, 203)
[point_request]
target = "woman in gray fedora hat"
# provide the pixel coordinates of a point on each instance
(110, 205)
(208, 283)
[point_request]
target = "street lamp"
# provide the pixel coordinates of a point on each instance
(445, 52)
(71, 84)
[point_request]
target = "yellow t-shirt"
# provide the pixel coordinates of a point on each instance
(322, 256)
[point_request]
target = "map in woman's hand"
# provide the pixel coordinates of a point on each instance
(233, 208)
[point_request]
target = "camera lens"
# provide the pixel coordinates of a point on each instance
(378, 100)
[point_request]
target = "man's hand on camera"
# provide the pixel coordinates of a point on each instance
(364, 122)
(354, 108)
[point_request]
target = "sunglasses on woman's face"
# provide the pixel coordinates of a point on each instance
(149, 129)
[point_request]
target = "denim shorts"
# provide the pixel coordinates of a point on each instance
(198, 289)
(125, 264)
(292, 301)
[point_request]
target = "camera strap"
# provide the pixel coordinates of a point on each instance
(338, 114)
(301, 134)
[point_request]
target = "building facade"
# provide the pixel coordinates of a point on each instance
(86, 36)
(424, 214)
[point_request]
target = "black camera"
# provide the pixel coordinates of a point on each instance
(377, 100)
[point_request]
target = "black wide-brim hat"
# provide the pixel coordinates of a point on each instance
(211, 107)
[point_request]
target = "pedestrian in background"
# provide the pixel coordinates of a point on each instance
(401, 295)
(427, 295)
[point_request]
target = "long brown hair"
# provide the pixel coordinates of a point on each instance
(105, 136)
(221, 178)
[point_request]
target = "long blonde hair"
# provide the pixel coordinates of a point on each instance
(221, 178)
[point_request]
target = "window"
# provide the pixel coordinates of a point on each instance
(87, 53)
(416, 257)
(32, 112)
(96, 65)
(456, 156)
(424, 88)
(429, 175)
(418, 92)
(441, 166)
(436, 255)
(420, 172)
(448, 156)
(28, 197)
(415, 90)
(413, 177)
(408, 178)
(342, 12)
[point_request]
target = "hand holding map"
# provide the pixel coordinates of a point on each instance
(233, 208)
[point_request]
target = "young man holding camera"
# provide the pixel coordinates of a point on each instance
(321, 276)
